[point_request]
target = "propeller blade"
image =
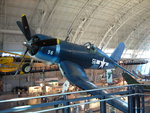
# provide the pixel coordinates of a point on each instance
(20, 26)
(48, 42)
(23, 58)
(26, 27)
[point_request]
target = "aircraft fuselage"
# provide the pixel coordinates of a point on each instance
(80, 54)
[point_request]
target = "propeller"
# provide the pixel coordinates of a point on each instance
(33, 42)
(24, 27)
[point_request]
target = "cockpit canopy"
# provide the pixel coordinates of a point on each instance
(89, 46)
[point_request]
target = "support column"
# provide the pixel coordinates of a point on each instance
(66, 110)
(142, 100)
(103, 106)
(138, 103)
(131, 101)
(139, 99)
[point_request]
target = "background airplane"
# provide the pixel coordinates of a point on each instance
(130, 61)
(9, 64)
(72, 59)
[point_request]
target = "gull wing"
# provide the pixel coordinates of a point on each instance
(76, 75)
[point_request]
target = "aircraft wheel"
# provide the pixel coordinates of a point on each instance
(26, 68)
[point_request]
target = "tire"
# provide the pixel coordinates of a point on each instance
(26, 68)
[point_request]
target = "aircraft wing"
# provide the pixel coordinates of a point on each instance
(14, 54)
(77, 76)
(116, 64)
(73, 72)
(129, 79)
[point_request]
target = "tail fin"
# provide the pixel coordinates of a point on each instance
(116, 55)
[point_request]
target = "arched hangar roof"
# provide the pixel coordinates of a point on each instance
(102, 22)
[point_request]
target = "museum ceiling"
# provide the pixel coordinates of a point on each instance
(104, 23)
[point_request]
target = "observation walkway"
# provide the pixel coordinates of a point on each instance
(73, 102)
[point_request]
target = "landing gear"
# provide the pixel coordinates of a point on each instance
(26, 68)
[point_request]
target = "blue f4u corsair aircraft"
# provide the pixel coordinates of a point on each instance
(72, 58)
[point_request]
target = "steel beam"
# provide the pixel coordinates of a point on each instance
(112, 31)
(86, 22)
(7, 31)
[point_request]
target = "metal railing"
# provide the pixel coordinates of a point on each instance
(135, 94)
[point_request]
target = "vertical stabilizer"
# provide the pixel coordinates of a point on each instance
(116, 55)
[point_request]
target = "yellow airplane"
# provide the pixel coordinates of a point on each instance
(7, 63)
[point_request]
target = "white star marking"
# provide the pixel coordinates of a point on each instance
(102, 63)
